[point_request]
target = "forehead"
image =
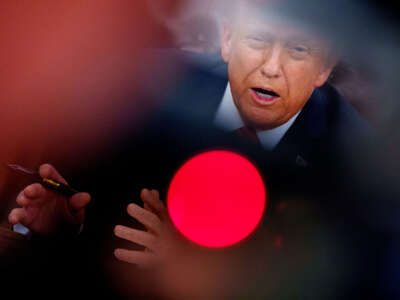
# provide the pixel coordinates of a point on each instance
(277, 30)
(273, 25)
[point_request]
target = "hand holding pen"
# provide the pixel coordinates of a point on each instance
(49, 205)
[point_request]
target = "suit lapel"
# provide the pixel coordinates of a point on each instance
(302, 143)
(198, 94)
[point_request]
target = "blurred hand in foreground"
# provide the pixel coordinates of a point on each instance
(160, 239)
(47, 212)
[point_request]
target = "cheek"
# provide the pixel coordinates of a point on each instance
(300, 80)
(245, 61)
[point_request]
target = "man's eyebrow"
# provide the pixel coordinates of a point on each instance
(301, 38)
(258, 32)
(304, 40)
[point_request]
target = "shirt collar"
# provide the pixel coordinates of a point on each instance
(228, 118)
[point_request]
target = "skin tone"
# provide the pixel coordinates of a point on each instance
(44, 211)
(160, 239)
(270, 56)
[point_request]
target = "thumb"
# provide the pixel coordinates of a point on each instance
(48, 171)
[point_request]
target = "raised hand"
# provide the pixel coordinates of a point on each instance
(160, 239)
(47, 212)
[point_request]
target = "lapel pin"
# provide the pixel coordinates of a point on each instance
(301, 162)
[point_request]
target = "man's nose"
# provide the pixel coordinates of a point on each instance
(271, 64)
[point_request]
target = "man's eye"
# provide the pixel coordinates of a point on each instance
(256, 42)
(255, 38)
(298, 51)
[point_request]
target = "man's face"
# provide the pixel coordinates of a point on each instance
(272, 71)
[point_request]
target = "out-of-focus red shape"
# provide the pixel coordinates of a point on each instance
(71, 80)
(217, 198)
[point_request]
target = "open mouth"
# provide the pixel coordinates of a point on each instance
(265, 94)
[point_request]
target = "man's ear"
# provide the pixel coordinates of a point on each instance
(323, 76)
(326, 70)
(226, 41)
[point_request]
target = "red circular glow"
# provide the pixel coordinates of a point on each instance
(217, 198)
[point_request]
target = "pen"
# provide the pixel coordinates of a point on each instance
(46, 182)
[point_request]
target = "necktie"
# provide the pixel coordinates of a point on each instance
(248, 133)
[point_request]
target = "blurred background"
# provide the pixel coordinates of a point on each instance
(66, 67)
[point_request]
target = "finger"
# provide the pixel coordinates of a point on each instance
(19, 215)
(158, 204)
(22, 200)
(140, 258)
(75, 208)
(147, 218)
(148, 208)
(48, 171)
(79, 201)
(136, 236)
(152, 199)
(34, 195)
(34, 191)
